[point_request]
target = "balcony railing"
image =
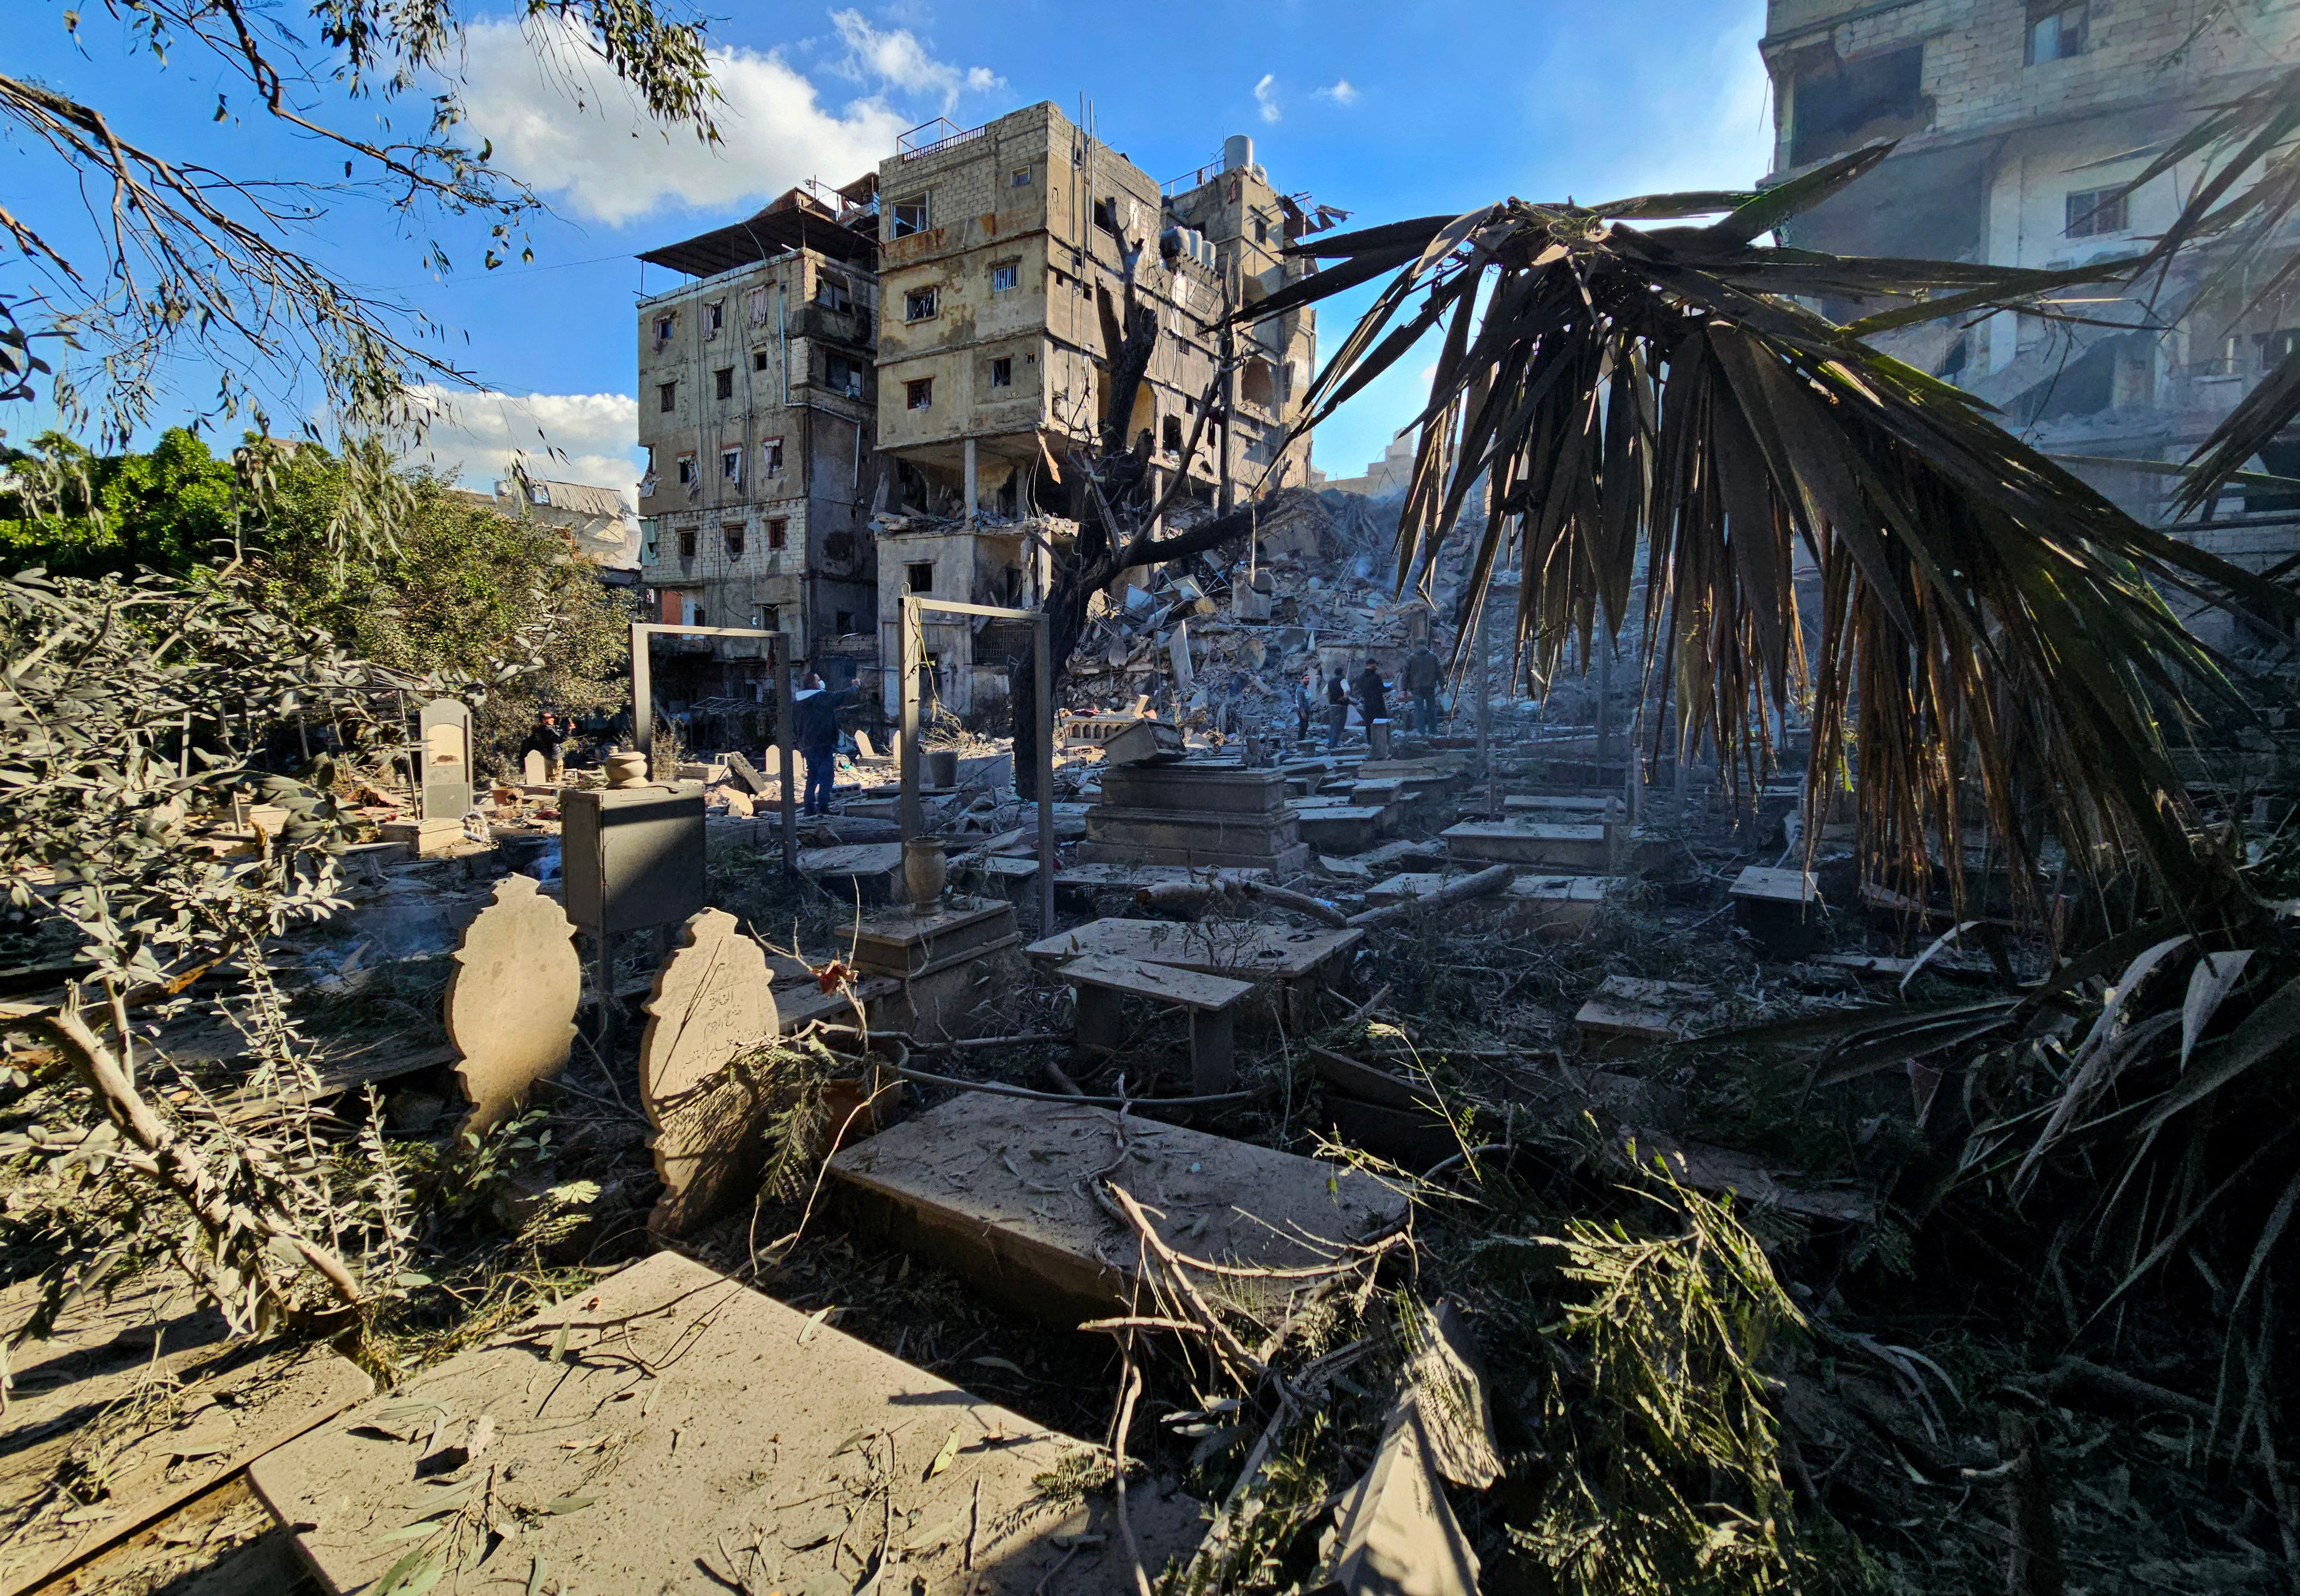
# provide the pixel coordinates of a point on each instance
(928, 138)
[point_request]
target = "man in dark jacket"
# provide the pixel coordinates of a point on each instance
(1373, 697)
(814, 715)
(1337, 709)
(1422, 674)
(548, 739)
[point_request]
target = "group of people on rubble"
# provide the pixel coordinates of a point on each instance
(1333, 694)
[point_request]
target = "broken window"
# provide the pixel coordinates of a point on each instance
(777, 531)
(1261, 229)
(842, 376)
(2093, 212)
(538, 493)
(687, 543)
(1005, 275)
(731, 536)
(910, 216)
(920, 577)
(667, 394)
(1838, 104)
(2276, 347)
(918, 393)
(687, 467)
(722, 382)
(730, 464)
(918, 304)
(662, 330)
(832, 294)
(1258, 385)
(2056, 29)
(770, 456)
(1105, 214)
(1002, 371)
(769, 617)
(844, 623)
(758, 359)
(1171, 435)
(716, 316)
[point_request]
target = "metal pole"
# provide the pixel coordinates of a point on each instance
(1043, 674)
(785, 731)
(913, 822)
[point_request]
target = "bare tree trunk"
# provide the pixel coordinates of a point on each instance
(2032, 1565)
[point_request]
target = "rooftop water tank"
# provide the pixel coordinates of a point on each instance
(1238, 152)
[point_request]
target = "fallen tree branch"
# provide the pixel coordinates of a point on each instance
(1485, 883)
(1185, 895)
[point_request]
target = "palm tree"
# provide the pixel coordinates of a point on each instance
(1992, 634)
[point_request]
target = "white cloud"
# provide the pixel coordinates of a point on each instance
(1266, 97)
(1341, 91)
(476, 438)
(569, 126)
(895, 57)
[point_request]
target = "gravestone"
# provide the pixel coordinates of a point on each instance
(510, 1000)
(535, 768)
(711, 1000)
(445, 750)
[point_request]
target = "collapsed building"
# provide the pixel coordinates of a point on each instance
(755, 414)
(2020, 123)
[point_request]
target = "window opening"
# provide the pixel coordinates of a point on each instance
(2093, 212)
(920, 577)
(667, 395)
(732, 537)
(758, 359)
(730, 464)
(1005, 276)
(722, 382)
(910, 216)
(687, 543)
(918, 393)
(1002, 371)
(2056, 30)
(770, 456)
(777, 532)
(918, 304)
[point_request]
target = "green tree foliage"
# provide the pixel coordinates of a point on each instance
(456, 591)
(82, 514)
(461, 591)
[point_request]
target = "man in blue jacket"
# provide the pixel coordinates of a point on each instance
(814, 715)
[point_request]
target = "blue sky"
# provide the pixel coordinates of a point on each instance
(1386, 110)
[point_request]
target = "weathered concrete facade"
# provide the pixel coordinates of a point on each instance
(756, 412)
(2018, 122)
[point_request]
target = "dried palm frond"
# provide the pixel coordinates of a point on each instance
(1657, 408)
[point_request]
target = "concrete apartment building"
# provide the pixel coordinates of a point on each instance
(756, 412)
(1000, 248)
(2018, 120)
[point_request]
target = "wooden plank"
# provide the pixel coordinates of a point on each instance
(1763, 883)
(692, 1434)
(1162, 982)
(994, 1188)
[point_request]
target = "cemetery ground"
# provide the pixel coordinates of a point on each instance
(1657, 1313)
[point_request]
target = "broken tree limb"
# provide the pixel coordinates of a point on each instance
(2125, 1394)
(1185, 895)
(236, 1233)
(2033, 1563)
(1485, 883)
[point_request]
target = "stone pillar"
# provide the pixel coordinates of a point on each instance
(970, 480)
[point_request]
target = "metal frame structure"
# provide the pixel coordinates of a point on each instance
(643, 711)
(912, 816)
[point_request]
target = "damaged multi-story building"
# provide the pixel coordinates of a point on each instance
(756, 413)
(1002, 251)
(2020, 124)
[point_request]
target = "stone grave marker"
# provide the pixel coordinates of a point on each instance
(711, 999)
(535, 768)
(446, 728)
(510, 1000)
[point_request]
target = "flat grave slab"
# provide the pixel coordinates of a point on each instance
(874, 869)
(1115, 877)
(690, 1436)
(1241, 952)
(227, 1403)
(1780, 908)
(1629, 1014)
(1343, 827)
(1583, 848)
(994, 1188)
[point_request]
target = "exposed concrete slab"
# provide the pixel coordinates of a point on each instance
(1194, 789)
(996, 1189)
(1780, 908)
(749, 1450)
(872, 870)
(1588, 849)
(1162, 836)
(953, 964)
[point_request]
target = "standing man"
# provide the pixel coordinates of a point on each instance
(1373, 697)
(1303, 705)
(814, 716)
(547, 739)
(1337, 710)
(1422, 675)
